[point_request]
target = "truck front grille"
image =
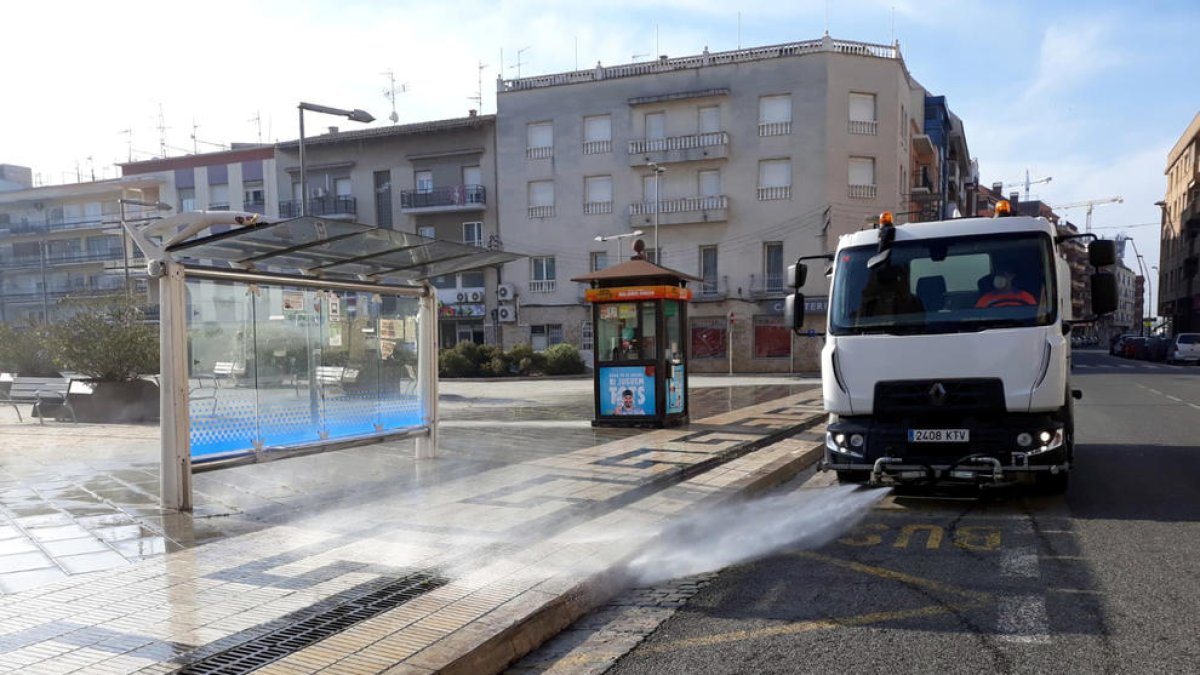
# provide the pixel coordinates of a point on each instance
(935, 397)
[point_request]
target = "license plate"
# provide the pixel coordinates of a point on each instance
(939, 435)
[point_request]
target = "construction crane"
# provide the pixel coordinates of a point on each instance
(1090, 204)
(1028, 183)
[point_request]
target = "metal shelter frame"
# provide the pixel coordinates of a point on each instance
(306, 252)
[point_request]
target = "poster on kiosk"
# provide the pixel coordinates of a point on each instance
(627, 390)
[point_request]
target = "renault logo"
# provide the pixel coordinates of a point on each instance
(937, 394)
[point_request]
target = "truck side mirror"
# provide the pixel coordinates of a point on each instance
(796, 275)
(1104, 292)
(1102, 253)
(793, 311)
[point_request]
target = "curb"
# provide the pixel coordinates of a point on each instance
(494, 653)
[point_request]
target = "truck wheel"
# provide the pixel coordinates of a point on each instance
(1053, 483)
(846, 477)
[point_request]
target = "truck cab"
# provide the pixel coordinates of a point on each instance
(947, 352)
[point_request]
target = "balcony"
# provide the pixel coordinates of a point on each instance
(540, 152)
(774, 128)
(541, 286)
(712, 289)
(329, 207)
(219, 206)
(597, 147)
(923, 145)
(861, 191)
(694, 147)
(444, 199)
(55, 260)
(767, 285)
(24, 295)
(864, 127)
(43, 227)
(766, 194)
(597, 208)
(680, 211)
(255, 207)
(541, 211)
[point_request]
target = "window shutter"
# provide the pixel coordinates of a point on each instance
(774, 109)
(862, 107)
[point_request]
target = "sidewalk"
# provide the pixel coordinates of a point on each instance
(360, 559)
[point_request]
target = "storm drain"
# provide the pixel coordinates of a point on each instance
(277, 644)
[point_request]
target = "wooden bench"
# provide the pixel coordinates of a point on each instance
(39, 390)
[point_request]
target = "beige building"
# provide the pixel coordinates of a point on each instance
(240, 179)
(735, 163)
(431, 178)
(1178, 290)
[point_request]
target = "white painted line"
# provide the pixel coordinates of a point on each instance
(1155, 391)
(1022, 619)
(1063, 557)
(1081, 591)
(1071, 532)
(1197, 407)
(1020, 561)
(1175, 398)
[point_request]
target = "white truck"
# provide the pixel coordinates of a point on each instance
(947, 351)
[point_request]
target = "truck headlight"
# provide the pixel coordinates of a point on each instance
(1049, 439)
(1024, 439)
(838, 443)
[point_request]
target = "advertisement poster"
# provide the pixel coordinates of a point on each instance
(335, 308)
(627, 390)
(293, 301)
(675, 392)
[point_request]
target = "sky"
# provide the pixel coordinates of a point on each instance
(1092, 94)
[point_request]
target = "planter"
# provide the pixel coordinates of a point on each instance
(118, 403)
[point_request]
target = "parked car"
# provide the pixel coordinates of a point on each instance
(1117, 346)
(1184, 348)
(1134, 347)
(1159, 348)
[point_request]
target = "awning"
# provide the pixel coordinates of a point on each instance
(321, 247)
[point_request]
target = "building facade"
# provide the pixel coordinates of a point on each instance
(240, 179)
(731, 165)
(1179, 264)
(436, 179)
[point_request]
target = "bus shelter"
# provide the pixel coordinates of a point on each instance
(293, 337)
(639, 315)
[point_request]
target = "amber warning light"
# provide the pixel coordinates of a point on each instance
(885, 219)
(1003, 208)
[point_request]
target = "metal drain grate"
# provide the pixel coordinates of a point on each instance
(277, 644)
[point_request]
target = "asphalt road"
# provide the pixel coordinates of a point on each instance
(1105, 579)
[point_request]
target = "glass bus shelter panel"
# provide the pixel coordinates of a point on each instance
(400, 404)
(222, 372)
(287, 350)
(349, 375)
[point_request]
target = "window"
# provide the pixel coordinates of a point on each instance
(424, 181)
(774, 179)
(342, 187)
(548, 335)
(471, 175)
(710, 119)
(473, 279)
(775, 115)
(541, 198)
(708, 270)
(218, 197)
(383, 198)
(656, 126)
(862, 114)
(427, 231)
(597, 134)
(540, 140)
(252, 193)
(709, 183)
(542, 275)
(472, 234)
(710, 337)
(773, 267)
(585, 335)
(772, 340)
(862, 177)
(597, 191)
(187, 199)
(599, 260)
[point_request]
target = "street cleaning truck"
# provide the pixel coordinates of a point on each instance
(947, 350)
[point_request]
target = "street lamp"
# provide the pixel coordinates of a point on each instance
(355, 115)
(658, 171)
(618, 237)
(161, 206)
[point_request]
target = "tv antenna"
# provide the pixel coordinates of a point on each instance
(520, 63)
(391, 91)
(257, 120)
(196, 142)
(478, 97)
(128, 141)
(162, 132)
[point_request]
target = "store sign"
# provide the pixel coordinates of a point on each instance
(812, 305)
(470, 310)
(637, 293)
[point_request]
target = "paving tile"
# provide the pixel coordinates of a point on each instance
(21, 562)
(55, 532)
(69, 547)
(91, 562)
(16, 582)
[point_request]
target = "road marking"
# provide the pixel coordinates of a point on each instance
(1023, 620)
(1174, 398)
(1021, 561)
(1197, 407)
(1075, 591)
(1064, 557)
(1154, 391)
(1072, 532)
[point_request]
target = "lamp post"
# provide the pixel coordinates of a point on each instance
(161, 206)
(355, 115)
(658, 172)
(618, 237)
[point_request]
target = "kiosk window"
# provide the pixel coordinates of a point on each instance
(618, 332)
(674, 321)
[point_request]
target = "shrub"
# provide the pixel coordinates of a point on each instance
(107, 341)
(470, 350)
(451, 363)
(563, 359)
(28, 350)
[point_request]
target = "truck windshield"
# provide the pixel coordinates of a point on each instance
(945, 285)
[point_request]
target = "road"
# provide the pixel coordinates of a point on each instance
(1103, 579)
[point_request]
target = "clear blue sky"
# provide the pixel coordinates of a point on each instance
(1091, 93)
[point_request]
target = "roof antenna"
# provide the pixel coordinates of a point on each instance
(391, 91)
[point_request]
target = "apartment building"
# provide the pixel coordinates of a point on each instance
(432, 178)
(65, 241)
(239, 179)
(731, 165)
(1178, 290)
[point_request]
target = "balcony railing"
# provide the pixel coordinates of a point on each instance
(705, 140)
(774, 128)
(683, 205)
(767, 284)
(766, 194)
(255, 207)
(219, 206)
(862, 191)
(445, 198)
(541, 211)
(27, 228)
(541, 286)
(541, 152)
(26, 295)
(72, 259)
(597, 208)
(864, 127)
(597, 147)
(320, 206)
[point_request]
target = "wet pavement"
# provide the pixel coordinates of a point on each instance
(89, 561)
